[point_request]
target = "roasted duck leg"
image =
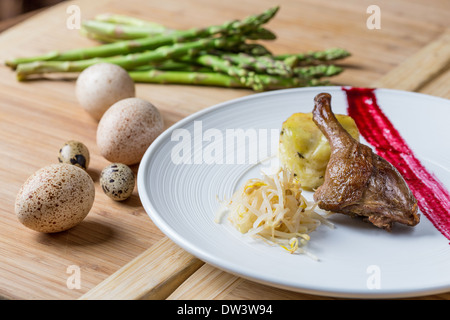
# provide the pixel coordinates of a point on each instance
(357, 181)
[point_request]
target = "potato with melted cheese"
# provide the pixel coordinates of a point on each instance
(305, 151)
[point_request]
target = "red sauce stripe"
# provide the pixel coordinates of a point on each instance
(432, 197)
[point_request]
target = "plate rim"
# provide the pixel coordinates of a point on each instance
(168, 231)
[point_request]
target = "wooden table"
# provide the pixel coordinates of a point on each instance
(37, 117)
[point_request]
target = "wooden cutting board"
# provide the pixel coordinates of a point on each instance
(37, 117)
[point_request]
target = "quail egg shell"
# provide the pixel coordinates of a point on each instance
(117, 181)
(75, 153)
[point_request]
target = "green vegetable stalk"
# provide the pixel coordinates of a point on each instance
(265, 82)
(236, 27)
(225, 55)
(129, 61)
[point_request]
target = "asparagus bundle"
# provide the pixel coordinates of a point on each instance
(129, 61)
(224, 55)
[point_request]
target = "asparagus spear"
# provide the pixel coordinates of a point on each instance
(143, 26)
(127, 61)
(186, 77)
(254, 49)
(260, 64)
(266, 82)
(121, 31)
(262, 82)
(127, 20)
(130, 46)
(218, 64)
(110, 32)
(313, 57)
(173, 65)
(97, 37)
(318, 71)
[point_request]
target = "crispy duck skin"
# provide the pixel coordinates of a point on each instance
(357, 181)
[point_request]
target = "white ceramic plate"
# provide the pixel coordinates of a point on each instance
(179, 192)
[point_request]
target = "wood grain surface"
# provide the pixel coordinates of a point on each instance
(37, 117)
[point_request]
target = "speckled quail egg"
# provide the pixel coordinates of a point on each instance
(74, 152)
(55, 198)
(117, 181)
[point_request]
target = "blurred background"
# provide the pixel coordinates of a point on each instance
(14, 11)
